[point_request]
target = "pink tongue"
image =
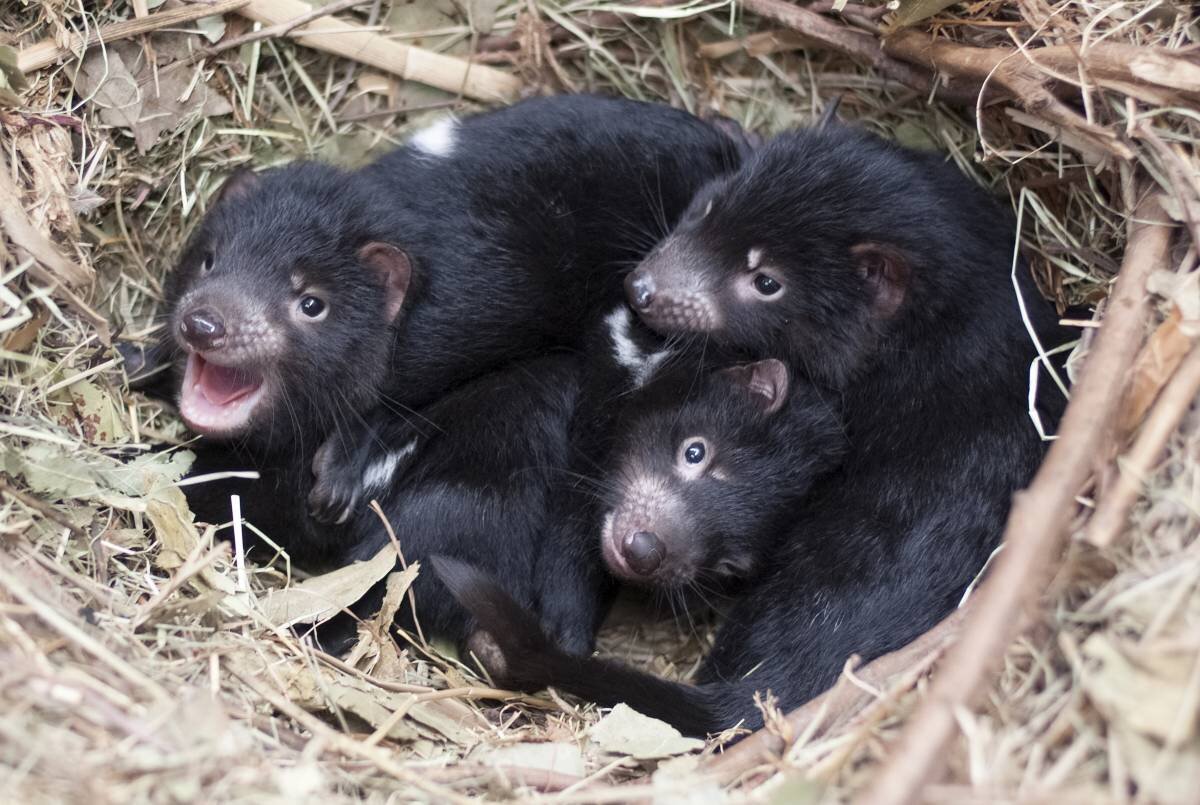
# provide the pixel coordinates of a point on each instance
(222, 385)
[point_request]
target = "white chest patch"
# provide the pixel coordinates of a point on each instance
(438, 138)
(640, 364)
(379, 474)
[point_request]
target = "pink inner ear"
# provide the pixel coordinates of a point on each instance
(240, 183)
(767, 379)
(394, 269)
(887, 272)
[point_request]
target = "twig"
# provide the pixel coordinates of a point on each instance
(858, 45)
(354, 41)
(1012, 71)
(48, 51)
(282, 29)
(1173, 403)
(840, 702)
(1037, 524)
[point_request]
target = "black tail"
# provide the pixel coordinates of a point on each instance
(531, 661)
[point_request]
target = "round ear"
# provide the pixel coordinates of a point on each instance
(241, 182)
(394, 269)
(767, 380)
(887, 272)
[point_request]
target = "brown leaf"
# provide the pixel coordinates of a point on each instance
(106, 80)
(321, 596)
(1159, 359)
(152, 100)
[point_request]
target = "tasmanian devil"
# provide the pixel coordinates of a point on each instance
(696, 452)
(885, 276)
(312, 303)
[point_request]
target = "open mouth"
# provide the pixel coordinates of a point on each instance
(218, 400)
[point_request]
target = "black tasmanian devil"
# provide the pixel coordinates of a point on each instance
(885, 276)
(314, 305)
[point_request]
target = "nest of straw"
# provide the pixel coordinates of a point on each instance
(137, 668)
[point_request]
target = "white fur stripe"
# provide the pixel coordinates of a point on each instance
(378, 476)
(438, 138)
(628, 354)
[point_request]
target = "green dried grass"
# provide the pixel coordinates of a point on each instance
(156, 713)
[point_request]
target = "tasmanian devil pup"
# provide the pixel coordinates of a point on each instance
(696, 499)
(311, 300)
(883, 275)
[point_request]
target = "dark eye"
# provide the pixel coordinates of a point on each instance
(694, 453)
(312, 307)
(766, 285)
(206, 262)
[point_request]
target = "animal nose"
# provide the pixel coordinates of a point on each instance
(643, 551)
(639, 289)
(203, 329)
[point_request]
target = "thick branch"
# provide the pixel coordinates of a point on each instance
(1037, 525)
(47, 52)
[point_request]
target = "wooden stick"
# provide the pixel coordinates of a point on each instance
(354, 41)
(839, 703)
(49, 51)
(858, 45)
(1173, 403)
(1037, 524)
(1011, 70)
(282, 29)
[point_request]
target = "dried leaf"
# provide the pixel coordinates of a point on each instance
(12, 80)
(57, 473)
(1145, 692)
(154, 100)
(21, 338)
(624, 731)
(913, 11)
(322, 596)
(100, 418)
(563, 758)
(105, 79)
(321, 691)
(1184, 291)
(483, 14)
(213, 28)
(373, 705)
(1155, 365)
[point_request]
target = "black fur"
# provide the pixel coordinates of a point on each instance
(515, 239)
(922, 340)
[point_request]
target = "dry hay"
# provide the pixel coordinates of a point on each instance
(135, 670)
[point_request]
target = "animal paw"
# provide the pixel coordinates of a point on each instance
(337, 484)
